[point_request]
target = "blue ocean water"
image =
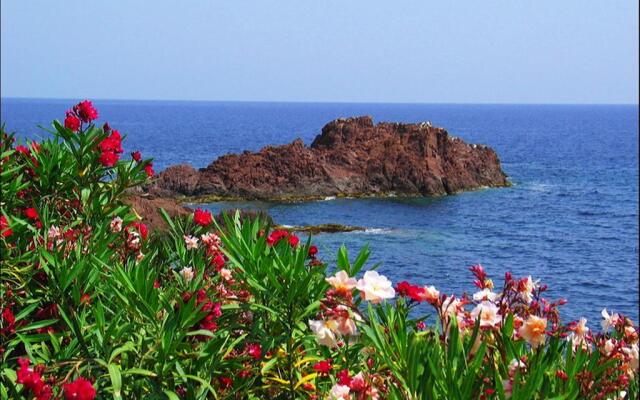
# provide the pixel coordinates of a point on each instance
(570, 219)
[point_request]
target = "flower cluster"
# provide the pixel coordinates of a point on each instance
(110, 147)
(83, 112)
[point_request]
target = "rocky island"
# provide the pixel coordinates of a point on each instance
(352, 157)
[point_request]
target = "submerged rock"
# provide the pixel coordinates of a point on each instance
(352, 157)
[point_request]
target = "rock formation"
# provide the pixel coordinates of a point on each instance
(351, 157)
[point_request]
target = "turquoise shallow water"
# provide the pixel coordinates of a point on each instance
(570, 219)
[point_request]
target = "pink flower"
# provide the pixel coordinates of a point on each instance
(339, 392)
(341, 282)
(80, 389)
(374, 287)
(488, 313)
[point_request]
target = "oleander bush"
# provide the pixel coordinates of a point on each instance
(94, 305)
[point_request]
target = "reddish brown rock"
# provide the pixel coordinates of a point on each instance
(148, 208)
(351, 157)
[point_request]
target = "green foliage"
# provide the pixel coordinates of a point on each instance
(231, 309)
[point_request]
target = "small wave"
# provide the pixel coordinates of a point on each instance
(540, 187)
(329, 198)
(375, 231)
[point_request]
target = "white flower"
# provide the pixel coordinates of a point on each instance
(620, 396)
(133, 239)
(342, 282)
(485, 294)
(54, 232)
(339, 392)
(609, 346)
(187, 274)
(116, 225)
(450, 306)
(191, 242)
(375, 287)
(323, 332)
(346, 325)
(488, 313)
(429, 294)
(527, 291)
(632, 353)
(516, 364)
(507, 386)
(211, 240)
(608, 320)
(225, 274)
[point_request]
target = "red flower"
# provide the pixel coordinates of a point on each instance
(80, 389)
(149, 170)
(112, 143)
(8, 321)
(202, 217)
(85, 111)
(403, 288)
(276, 236)
(22, 150)
(562, 375)
(323, 367)
(293, 240)
(106, 127)
(31, 379)
(254, 350)
(313, 250)
(142, 228)
(218, 261)
(5, 231)
(72, 122)
(136, 156)
(31, 213)
(108, 158)
(225, 382)
(343, 377)
(85, 299)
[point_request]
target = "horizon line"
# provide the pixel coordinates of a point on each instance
(318, 101)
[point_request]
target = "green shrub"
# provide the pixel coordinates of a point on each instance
(95, 305)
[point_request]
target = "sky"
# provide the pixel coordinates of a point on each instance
(328, 51)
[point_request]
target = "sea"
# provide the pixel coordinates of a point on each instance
(570, 218)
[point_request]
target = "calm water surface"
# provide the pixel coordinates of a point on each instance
(570, 219)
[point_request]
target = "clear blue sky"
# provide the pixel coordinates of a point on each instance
(366, 51)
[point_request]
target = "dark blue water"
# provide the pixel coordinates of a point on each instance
(571, 218)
